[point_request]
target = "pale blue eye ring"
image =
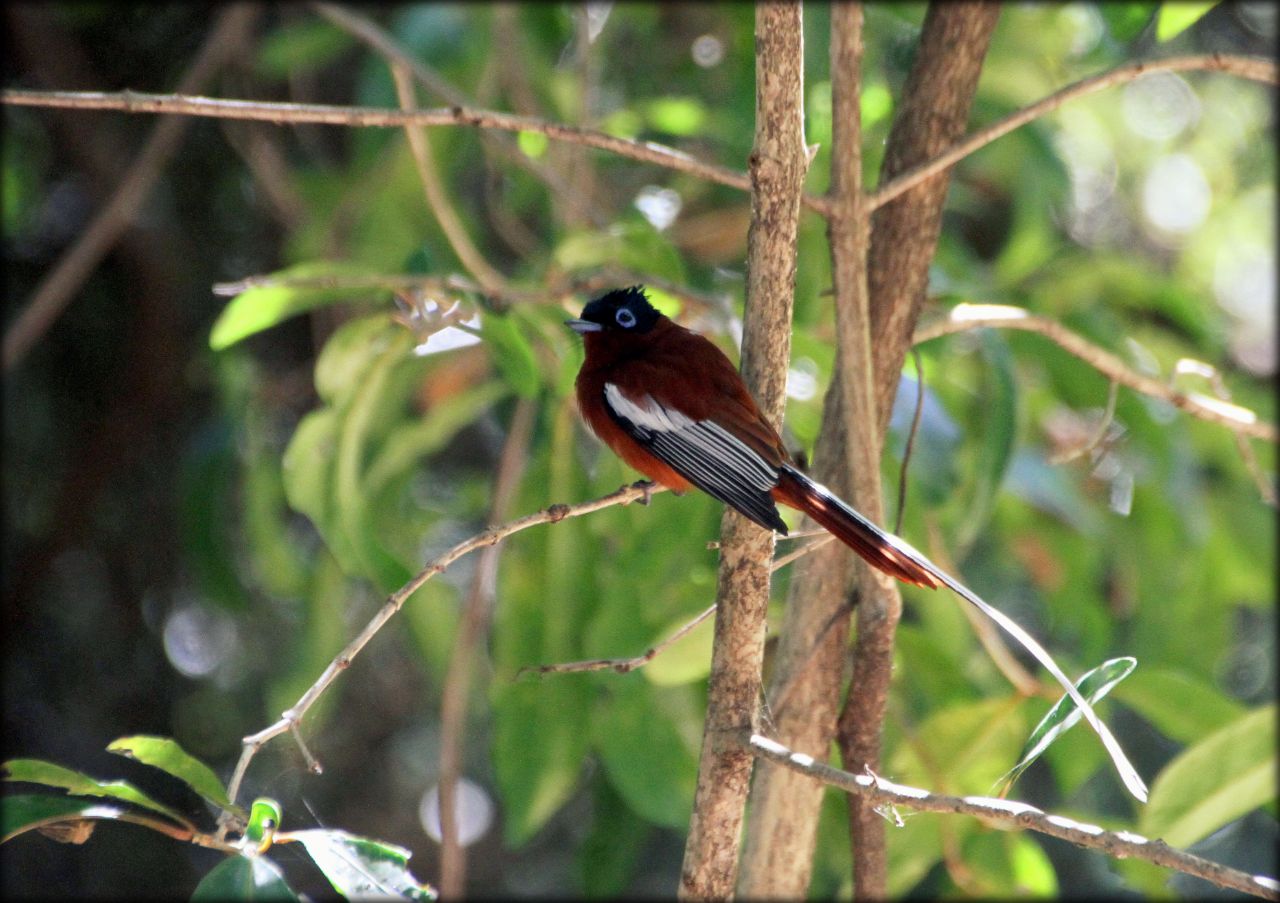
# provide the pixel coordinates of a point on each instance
(626, 319)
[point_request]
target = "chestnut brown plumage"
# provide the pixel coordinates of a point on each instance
(672, 405)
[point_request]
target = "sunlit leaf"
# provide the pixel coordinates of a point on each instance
(687, 659)
(265, 816)
(677, 115)
(360, 868)
(1224, 776)
(169, 757)
(1175, 18)
(243, 878)
(21, 812)
(1126, 20)
(37, 771)
(1093, 686)
(1180, 706)
(260, 308)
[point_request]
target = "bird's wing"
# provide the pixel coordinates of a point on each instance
(704, 452)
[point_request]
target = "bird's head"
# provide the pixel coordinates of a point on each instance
(623, 311)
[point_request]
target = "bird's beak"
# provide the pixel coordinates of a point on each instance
(583, 326)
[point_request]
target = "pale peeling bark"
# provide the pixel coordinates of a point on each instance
(777, 169)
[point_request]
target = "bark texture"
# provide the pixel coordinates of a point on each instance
(777, 168)
(932, 114)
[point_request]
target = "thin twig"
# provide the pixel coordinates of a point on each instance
(1265, 486)
(56, 290)
(377, 117)
(911, 440)
(386, 46)
(554, 514)
(621, 665)
(1253, 68)
(1099, 432)
(626, 665)
(477, 613)
(1009, 815)
(965, 317)
(437, 196)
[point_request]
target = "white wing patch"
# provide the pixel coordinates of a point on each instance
(648, 414)
(703, 452)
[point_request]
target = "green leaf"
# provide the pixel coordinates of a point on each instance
(1004, 864)
(1224, 776)
(608, 856)
(1175, 18)
(677, 115)
(687, 659)
(243, 878)
(532, 144)
(169, 757)
(511, 353)
(539, 743)
(37, 771)
(961, 748)
(644, 755)
(360, 868)
(407, 444)
(300, 47)
(1180, 706)
(22, 812)
(260, 308)
(352, 351)
(1125, 21)
(1093, 686)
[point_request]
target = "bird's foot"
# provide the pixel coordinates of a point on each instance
(646, 486)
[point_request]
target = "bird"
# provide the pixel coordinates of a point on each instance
(672, 405)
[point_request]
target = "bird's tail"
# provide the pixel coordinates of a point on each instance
(881, 550)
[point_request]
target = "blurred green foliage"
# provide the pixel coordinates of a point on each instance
(326, 452)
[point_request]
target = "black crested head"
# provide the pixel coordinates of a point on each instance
(623, 309)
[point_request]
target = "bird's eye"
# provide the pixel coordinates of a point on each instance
(626, 319)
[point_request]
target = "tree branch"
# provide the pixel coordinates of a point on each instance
(74, 267)
(777, 164)
(328, 114)
(808, 669)
(1008, 814)
(1253, 68)
(964, 317)
(932, 114)
(437, 198)
(477, 613)
(292, 717)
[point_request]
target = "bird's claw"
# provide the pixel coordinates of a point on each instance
(645, 486)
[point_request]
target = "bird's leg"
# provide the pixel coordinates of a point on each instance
(647, 487)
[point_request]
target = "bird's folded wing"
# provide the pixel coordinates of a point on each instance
(704, 452)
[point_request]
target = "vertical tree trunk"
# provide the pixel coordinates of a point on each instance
(932, 114)
(777, 166)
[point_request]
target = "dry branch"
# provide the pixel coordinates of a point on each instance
(777, 164)
(1008, 814)
(57, 289)
(291, 718)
